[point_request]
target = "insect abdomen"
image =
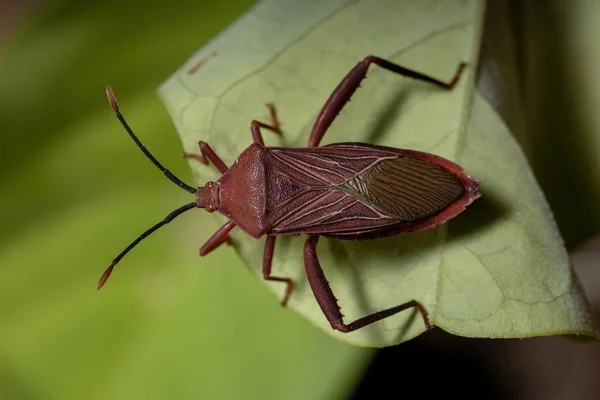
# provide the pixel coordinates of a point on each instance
(404, 188)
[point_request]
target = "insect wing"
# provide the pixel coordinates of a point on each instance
(350, 189)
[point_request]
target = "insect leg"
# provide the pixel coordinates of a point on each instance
(268, 262)
(221, 236)
(342, 93)
(274, 127)
(328, 302)
(208, 154)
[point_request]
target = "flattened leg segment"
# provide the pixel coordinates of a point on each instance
(328, 302)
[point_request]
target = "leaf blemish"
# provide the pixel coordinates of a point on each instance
(201, 63)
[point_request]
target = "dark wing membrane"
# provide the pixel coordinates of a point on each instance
(406, 188)
(305, 194)
(353, 188)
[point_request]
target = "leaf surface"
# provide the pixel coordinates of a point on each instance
(500, 269)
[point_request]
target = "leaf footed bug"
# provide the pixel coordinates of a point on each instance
(349, 191)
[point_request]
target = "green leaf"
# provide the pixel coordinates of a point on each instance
(507, 273)
(500, 269)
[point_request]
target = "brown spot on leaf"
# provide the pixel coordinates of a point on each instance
(201, 63)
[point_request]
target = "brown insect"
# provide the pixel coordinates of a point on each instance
(349, 191)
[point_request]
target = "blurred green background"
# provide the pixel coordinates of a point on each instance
(76, 191)
(170, 324)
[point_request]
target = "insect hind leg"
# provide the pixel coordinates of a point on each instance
(346, 88)
(328, 303)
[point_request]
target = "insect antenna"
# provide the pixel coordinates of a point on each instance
(168, 174)
(113, 102)
(168, 219)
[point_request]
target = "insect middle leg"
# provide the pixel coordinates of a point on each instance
(342, 93)
(268, 262)
(328, 302)
(274, 127)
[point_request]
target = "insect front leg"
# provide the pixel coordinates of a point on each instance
(268, 262)
(274, 127)
(218, 238)
(342, 93)
(328, 302)
(208, 154)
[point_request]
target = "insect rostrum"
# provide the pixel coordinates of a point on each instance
(349, 191)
